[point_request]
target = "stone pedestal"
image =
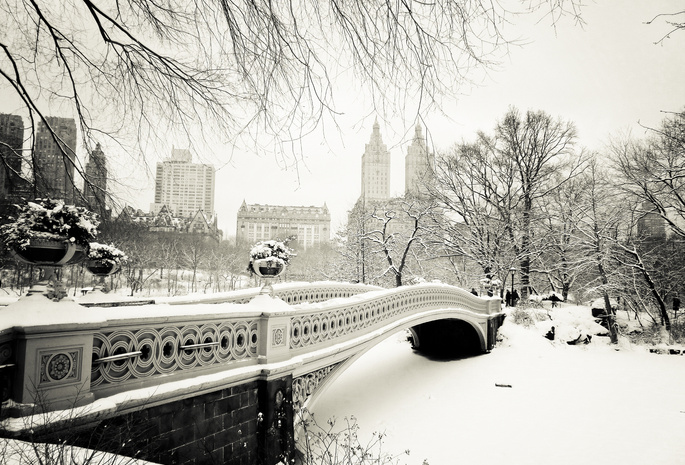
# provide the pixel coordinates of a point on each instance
(52, 345)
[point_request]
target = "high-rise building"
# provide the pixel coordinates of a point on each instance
(417, 166)
(11, 144)
(54, 153)
(183, 186)
(307, 225)
(95, 184)
(651, 226)
(375, 168)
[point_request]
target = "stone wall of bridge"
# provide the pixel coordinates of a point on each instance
(214, 428)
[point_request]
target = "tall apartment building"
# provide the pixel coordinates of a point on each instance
(95, 184)
(11, 144)
(55, 154)
(375, 168)
(418, 165)
(183, 186)
(651, 226)
(308, 225)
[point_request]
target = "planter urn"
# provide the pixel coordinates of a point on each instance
(267, 269)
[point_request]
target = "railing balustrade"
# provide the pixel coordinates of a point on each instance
(150, 345)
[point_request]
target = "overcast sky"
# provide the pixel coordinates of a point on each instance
(605, 76)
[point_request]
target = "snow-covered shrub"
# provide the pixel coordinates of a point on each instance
(275, 250)
(47, 219)
(522, 316)
(332, 445)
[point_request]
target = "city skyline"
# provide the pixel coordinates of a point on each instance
(606, 77)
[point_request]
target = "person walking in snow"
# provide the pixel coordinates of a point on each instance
(676, 304)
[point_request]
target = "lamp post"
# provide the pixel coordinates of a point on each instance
(513, 273)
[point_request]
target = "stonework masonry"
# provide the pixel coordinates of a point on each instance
(219, 427)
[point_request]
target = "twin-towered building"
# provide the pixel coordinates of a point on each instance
(376, 167)
(311, 225)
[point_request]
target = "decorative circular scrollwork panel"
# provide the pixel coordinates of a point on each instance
(163, 350)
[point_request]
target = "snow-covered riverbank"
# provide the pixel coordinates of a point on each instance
(589, 404)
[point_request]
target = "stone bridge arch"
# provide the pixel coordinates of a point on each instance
(310, 386)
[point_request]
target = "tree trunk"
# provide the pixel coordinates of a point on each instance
(666, 321)
(525, 250)
(611, 317)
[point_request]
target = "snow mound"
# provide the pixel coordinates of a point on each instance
(535, 328)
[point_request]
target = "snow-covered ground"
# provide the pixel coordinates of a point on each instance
(568, 404)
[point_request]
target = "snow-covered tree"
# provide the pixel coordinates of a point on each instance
(653, 170)
(478, 202)
(386, 242)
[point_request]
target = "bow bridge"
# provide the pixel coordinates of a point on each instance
(214, 380)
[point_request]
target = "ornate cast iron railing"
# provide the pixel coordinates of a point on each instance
(148, 346)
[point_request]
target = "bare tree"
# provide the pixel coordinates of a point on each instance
(478, 200)
(559, 257)
(135, 70)
(399, 233)
(653, 170)
(598, 231)
(494, 188)
(194, 252)
(535, 146)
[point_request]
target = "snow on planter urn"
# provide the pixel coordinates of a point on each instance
(104, 260)
(49, 234)
(268, 259)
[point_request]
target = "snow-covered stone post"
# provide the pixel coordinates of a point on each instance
(50, 347)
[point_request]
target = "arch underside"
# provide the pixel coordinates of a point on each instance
(461, 334)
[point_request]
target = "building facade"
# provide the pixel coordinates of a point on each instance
(95, 183)
(418, 166)
(54, 153)
(651, 226)
(164, 221)
(309, 226)
(11, 144)
(183, 186)
(375, 168)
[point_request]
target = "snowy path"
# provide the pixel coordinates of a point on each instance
(567, 404)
